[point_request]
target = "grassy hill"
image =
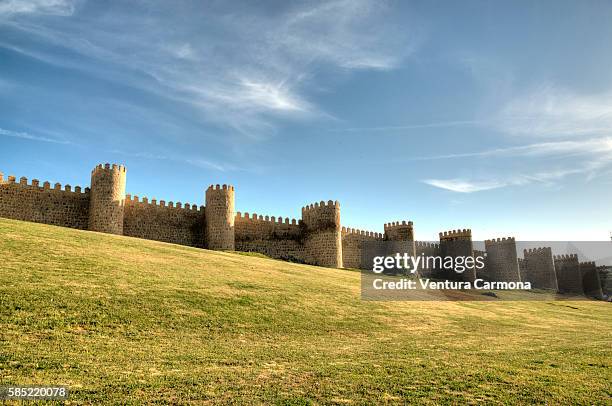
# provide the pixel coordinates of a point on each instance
(128, 321)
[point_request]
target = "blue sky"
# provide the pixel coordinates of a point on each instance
(489, 115)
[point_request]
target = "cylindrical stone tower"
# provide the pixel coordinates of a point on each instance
(106, 199)
(219, 215)
(323, 237)
(502, 260)
(458, 243)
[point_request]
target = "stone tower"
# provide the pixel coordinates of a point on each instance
(106, 201)
(569, 279)
(219, 214)
(399, 238)
(590, 280)
(322, 234)
(539, 268)
(458, 243)
(502, 261)
(397, 231)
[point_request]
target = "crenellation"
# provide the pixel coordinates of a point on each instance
(399, 231)
(567, 268)
(502, 260)
(590, 279)
(317, 238)
(538, 268)
(458, 243)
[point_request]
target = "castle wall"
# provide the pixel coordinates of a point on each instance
(458, 243)
(538, 268)
(219, 234)
(43, 204)
(266, 235)
(590, 280)
(322, 235)
(427, 249)
(397, 231)
(173, 223)
(107, 197)
(605, 279)
(483, 273)
(502, 261)
(352, 245)
(569, 278)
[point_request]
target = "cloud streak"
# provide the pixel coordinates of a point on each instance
(27, 136)
(240, 70)
(593, 146)
(48, 7)
(550, 111)
(592, 156)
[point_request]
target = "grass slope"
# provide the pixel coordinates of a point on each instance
(124, 320)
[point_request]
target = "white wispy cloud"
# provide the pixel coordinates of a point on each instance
(592, 146)
(551, 111)
(239, 69)
(463, 185)
(28, 136)
(49, 7)
(197, 162)
(590, 157)
(439, 124)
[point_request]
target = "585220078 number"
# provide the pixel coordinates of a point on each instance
(33, 392)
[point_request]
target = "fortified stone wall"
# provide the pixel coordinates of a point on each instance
(43, 204)
(173, 223)
(458, 243)
(569, 278)
(483, 273)
(590, 280)
(397, 231)
(107, 197)
(352, 245)
(427, 249)
(317, 238)
(538, 268)
(220, 217)
(502, 261)
(270, 236)
(605, 278)
(322, 235)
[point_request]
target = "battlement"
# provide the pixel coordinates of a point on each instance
(566, 257)
(399, 231)
(269, 219)
(537, 251)
(398, 224)
(135, 200)
(220, 187)
(322, 215)
(320, 205)
(46, 186)
(588, 263)
(108, 167)
(426, 244)
(500, 241)
(354, 231)
(466, 233)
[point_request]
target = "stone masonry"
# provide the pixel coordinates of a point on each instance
(538, 268)
(317, 238)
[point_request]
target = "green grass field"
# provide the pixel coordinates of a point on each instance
(122, 320)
